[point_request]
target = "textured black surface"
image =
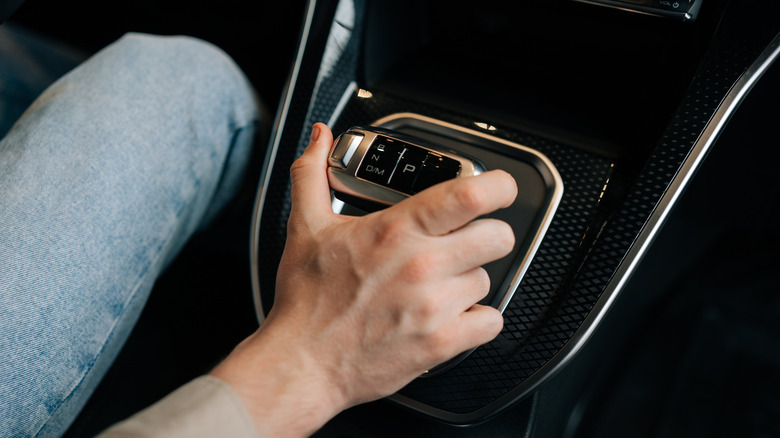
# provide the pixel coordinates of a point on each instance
(587, 240)
(703, 358)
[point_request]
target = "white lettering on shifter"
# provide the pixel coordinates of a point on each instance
(375, 170)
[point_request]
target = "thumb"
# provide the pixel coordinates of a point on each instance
(310, 191)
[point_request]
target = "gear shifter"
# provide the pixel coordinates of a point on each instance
(372, 168)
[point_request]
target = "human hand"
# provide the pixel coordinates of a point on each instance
(366, 304)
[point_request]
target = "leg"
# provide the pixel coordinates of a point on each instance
(28, 64)
(103, 180)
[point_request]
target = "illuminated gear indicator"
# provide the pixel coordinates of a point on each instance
(370, 166)
(380, 161)
(404, 167)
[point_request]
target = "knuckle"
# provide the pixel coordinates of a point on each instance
(439, 344)
(483, 281)
(505, 237)
(390, 232)
(470, 197)
(296, 226)
(420, 267)
(491, 321)
(427, 312)
(494, 325)
(506, 183)
(298, 166)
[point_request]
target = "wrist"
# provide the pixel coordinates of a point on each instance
(284, 389)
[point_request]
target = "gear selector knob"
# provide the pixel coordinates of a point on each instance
(383, 167)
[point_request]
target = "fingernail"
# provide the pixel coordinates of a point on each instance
(315, 133)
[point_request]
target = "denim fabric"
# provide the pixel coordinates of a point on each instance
(28, 64)
(102, 181)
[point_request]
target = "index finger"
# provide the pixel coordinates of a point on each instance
(449, 206)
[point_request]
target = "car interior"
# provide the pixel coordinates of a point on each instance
(642, 296)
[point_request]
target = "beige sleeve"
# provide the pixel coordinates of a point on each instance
(205, 407)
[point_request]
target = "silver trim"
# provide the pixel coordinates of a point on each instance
(339, 35)
(711, 132)
(351, 88)
(688, 15)
(270, 158)
(645, 237)
(353, 145)
(343, 149)
(556, 195)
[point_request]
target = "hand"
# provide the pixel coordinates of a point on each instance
(366, 304)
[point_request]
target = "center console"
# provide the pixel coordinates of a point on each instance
(602, 115)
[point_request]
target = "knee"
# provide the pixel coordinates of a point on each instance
(188, 56)
(182, 69)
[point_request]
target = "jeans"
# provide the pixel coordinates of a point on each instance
(102, 181)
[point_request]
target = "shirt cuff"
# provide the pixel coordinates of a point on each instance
(204, 407)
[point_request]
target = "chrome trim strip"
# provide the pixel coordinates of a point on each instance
(337, 205)
(353, 145)
(270, 158)
(339, 35)
(556, 196)
(646, 10)
(645, 237)
(351, 88)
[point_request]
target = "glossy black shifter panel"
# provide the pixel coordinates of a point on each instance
(381, 166)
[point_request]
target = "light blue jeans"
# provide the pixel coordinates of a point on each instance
(102, 181)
